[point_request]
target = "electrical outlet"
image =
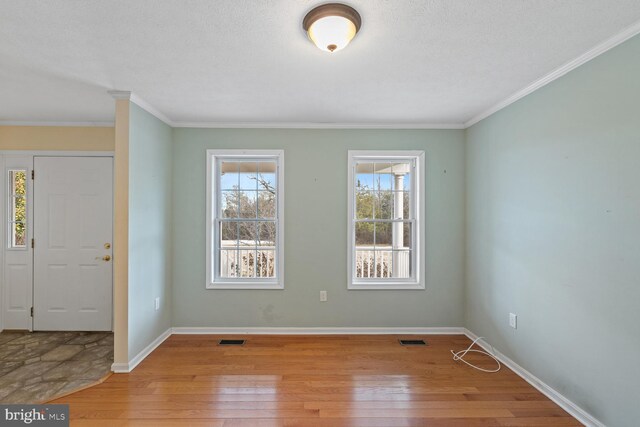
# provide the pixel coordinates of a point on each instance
(157, 303)
(513, 320)
(323, 296)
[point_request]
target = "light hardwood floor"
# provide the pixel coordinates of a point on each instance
(313, 381)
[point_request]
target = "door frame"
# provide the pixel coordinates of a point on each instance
(8, 154)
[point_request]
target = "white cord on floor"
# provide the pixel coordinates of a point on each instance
(457, 356)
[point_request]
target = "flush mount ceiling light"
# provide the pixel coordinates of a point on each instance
(332, 26)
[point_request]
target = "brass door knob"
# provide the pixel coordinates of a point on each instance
(105, 258)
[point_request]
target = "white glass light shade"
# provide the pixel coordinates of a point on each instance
(332, 33)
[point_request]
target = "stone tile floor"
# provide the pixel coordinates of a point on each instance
(38, 366)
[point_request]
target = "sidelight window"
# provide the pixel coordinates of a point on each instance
(17, 209)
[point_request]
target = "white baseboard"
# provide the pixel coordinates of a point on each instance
(319, 331)
(128, 367)
(573, 409)
(120, 368)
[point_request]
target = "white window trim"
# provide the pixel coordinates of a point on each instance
(418, 202)
(243, 283)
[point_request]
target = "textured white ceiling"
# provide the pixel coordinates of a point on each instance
(429, 61)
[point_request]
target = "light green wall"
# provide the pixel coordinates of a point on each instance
(553, 232)
(315, 233)
(150, 149)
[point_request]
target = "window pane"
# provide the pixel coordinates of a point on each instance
(384, 261)
(403, 173)
(401, 264)
(18, 180)
(266, 204)
(230, 204)
(248, 175)
(406, 204)
(19, 235)
(228, 233)
(407, 235)
(364, 204)
(246, 260)
(248, 206)
(384, 205)
(364, 176)
(247, 233)
(384, 235)
(266, 263)
(364, 263)
(228, 263)
(229, 177)
(383, 177)
(267, 233)
(19, 209)
(267, 176)
(364, 234)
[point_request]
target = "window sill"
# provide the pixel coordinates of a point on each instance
(245, 285)
(386, 286)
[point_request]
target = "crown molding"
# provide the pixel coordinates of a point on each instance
(597, 50)
(130, 96)
(57, 124)
(120, 94)
(242, 125)
(151, 109)
(312, 125)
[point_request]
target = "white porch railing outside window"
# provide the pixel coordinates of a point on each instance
(243, 261)
(380, 263)
(238, 262)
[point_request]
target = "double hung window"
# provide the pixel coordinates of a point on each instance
(386, 194)
(245, 219)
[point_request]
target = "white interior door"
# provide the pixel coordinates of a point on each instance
(73, 221)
